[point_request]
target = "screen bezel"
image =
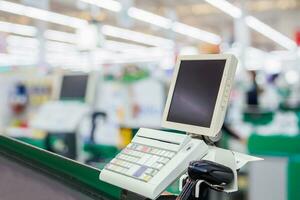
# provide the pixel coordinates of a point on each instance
(74, 75)
(90, 89)
(217, 114)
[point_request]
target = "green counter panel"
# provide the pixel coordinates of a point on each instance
(275, 145)
(70, 170)
(281, 146)
(294, 178)
(103, 151)
(34, 142)
(258, 118)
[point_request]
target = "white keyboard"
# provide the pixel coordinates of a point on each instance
(152, 161)
(140, 161)
(59, 116)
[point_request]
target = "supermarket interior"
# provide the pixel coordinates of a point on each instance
(102, 99)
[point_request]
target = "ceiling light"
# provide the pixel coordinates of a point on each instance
(176, 26)
(60, 47)
(226, 7)
(196, 33)
(20, 41)
(271, 33)
(254, 23)
(18, 29)
(41, 14)
(136, 36)
(149, 17)
(122, 46)
(107, 4)
(60, 36)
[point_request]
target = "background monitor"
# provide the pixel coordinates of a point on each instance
(74, 87)
(78, 86)
(199, 93)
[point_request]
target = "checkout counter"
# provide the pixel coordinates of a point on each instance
(281, 153)
(32, 173)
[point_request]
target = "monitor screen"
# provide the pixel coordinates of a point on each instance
(74, 87)
(195, 92)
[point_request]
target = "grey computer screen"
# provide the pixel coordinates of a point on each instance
(74, 87)
(195, 92)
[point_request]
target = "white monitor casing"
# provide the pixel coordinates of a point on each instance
(90, 89)
(222, 98)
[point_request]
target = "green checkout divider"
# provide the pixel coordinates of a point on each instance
(103, 151)
(274, 145)
(40, 143)
(294, 178)
(260, 118)
(281, 146)
(70, 170)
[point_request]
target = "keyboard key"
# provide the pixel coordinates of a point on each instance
(163, 153)
(146, 149)
(151, 172)
(144, 159)
(108, 166)
(124, 170)
(160, 152)
(132, 170)
(139, 147)
(140, 171)
(146, 177)
(114, 160)
(154, 172)
(163, 160)
(170, 155)
(153, 159)
(159, 165)
(139, 154)
(154, 151)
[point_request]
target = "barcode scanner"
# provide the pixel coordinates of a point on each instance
(210, 172)
(215, 175)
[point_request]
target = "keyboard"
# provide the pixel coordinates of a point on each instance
(152, 161)
(140, 161)
(59, 116)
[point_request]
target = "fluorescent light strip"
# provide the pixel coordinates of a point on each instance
(60, 36)
(226, 7)
(31, 31)
(271, 33)
(149, 17)
(176, 26)
(255, 24)
(158, 20)
(18, 29)
(122, 46)
(57, 36)
(20, 41)
(196, 33)
(41, 14)
(136, 36)
(74, 22)
(107, 4)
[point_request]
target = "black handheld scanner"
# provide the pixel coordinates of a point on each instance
(211, 172)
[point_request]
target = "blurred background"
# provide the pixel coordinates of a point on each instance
(79, 77)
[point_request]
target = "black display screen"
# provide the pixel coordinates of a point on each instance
(74, 87)
(195, 93)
